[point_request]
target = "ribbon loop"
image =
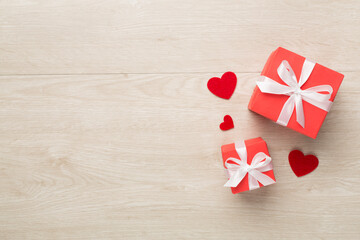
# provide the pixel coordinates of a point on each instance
(238, 168)
(313, 95)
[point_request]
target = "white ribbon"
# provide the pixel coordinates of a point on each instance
(293, 89)
(238, 171)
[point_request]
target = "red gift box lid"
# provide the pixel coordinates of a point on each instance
(253, 146)
(270, 105)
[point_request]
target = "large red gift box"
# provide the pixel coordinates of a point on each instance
(271, 105)
(253, 149)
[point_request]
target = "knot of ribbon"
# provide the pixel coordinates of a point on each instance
(239, 168)
(313, 95)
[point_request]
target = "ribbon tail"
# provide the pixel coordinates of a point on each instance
(253, 183)
(235, 178)
(300, 118)
(286, 111)
(262, 178)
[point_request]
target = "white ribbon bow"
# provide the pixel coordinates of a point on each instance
(238, 171)
(293, 89)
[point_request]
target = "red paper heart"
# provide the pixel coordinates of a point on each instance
(223, 87)
(227, 124)
(302, 165)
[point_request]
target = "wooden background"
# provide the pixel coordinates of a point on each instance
(107, 129)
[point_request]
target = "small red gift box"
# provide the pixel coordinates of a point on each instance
(248, 165)
(295, 92)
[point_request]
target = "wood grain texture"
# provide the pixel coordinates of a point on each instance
(133, 36)
(109, 132)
